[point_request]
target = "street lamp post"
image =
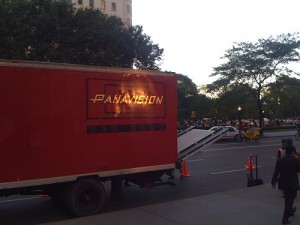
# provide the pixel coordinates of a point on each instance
(262, 123)
(240, 121)
(239, 110)
(263, 119)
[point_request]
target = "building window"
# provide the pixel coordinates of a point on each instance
(79, 2)
(114, 7)
(92, 3)
(103, 5)
(128, 9)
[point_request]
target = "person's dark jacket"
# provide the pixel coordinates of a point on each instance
(287, 168)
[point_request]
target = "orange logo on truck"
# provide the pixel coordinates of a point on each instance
(118, 99)
(127, 99)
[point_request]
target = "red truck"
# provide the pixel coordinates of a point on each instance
(66, 129)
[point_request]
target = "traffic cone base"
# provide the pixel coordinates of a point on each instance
(185, 172)
(250, 165)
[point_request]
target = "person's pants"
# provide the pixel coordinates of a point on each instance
(289, 203)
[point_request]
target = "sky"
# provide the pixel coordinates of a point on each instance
(196, 33)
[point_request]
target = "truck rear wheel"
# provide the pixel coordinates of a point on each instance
(85, 197)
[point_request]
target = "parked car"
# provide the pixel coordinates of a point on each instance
(232, 134)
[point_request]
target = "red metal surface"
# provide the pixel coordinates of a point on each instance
(59, 122)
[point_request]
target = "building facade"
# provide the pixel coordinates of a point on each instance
(119, 8)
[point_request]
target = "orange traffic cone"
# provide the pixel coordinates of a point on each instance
(185, 172)
(250, 164)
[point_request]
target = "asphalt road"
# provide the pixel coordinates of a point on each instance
(216, 168)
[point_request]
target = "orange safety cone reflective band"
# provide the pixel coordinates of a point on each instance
(185, 172)
(249, 164)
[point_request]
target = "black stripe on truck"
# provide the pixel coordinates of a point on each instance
(125, 128)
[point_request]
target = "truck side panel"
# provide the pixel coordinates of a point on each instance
(62, 122)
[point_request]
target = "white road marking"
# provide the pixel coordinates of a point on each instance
(231, 171)
(233, 148)
(227, 171)
(194, 160)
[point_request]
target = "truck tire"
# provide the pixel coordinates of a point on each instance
(85, 197)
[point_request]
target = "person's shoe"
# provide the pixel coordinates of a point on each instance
(294, 210)
(285, 221)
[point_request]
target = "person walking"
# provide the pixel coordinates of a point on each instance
(289, 141)
(281, 150)
(286, 170)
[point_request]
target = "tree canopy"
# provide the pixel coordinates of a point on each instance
(190, 100)
(56, 31)
(187, 93)
(256, 65)
(282, 97)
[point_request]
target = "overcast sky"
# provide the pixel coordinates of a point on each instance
(195, 33)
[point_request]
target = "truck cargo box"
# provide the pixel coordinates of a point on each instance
(60, 122)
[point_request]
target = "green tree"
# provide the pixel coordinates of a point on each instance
(203, 105)
(227, 103)
(146, 55)
(11, 28)
(187, 94)
(53, 30)
(282, 97)
(255, 65)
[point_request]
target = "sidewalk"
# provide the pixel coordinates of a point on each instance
(282, 133)
(259, 205)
